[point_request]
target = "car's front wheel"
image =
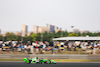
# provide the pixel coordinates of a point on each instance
(28, 61)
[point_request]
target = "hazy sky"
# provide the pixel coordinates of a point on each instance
(83, 14)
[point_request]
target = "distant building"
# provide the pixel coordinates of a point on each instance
(53, 27)
(85, 31)
(48, 28)
(43, 29)
(18, 33)
(35, 29)
(56, 28)
(60, 28)
(29, 33)
(24, 30)
(57, 31)
(75, 30)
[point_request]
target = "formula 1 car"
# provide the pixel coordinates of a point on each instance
(41, 61)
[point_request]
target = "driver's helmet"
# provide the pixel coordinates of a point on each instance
(36, 57)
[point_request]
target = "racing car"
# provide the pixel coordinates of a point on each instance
(36, 60)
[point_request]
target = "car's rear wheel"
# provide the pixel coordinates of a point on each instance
(48, 62)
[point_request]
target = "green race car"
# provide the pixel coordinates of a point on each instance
(36, 60)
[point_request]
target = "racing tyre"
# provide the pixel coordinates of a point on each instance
(48, 62)
(28, 61)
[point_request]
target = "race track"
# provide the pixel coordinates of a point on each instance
(22, 64)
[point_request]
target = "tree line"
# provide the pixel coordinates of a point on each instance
(44, 36)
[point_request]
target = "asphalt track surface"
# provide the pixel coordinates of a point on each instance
(22, 64)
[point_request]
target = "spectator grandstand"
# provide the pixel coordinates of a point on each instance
(57, 46)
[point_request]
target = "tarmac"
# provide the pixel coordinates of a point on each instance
(68, 64)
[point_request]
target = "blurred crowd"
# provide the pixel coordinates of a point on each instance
(87, 46)
(41, 47)
(29, 47)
